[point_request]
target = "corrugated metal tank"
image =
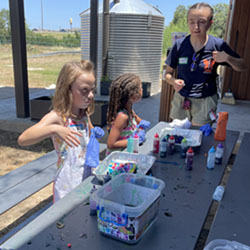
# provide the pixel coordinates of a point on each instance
(85, 40)
(135, 40)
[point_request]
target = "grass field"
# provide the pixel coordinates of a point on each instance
(42, 71)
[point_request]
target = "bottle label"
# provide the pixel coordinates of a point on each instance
(156, 147)
(218, 160)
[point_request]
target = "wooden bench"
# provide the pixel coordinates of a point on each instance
(24, 181)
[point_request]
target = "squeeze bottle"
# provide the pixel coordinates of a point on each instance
(184, 147)
(211, 158)
(136, 144)
(171, 144)
(220, 132)
(189, 159)
(219, 154)
(130, 144)
(156, 144)
(163, 147)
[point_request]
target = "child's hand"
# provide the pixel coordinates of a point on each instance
(98, 132)
(69, 136)
(143, 124)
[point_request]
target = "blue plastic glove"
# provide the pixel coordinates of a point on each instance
(206, 129)
(92, 152)
(143, 124)
(99, 132)
(142, 136)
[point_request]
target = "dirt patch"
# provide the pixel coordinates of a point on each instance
(13, 156)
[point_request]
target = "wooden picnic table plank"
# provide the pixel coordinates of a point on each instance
(26, 171)
(185, 202)
(22, 182)
(232, 221)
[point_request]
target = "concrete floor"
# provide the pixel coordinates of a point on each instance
(147, 108)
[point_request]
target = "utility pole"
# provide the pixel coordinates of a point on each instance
(42, 14)
(70, 23)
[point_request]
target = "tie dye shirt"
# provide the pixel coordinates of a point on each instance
(62, 148)
(126, 132)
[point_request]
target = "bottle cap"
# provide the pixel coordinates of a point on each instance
(220, 145)
(184, 140)
(190, 150)
(212, 149)
(156, 135)
(171, 137)
(164, 139)
(136, 136)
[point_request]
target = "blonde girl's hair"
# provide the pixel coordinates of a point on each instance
(201, 5)
(121, 89)
(62, 100)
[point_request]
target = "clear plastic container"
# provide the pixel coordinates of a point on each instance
(218, 193)
(220, 244)
(128, 205)
(193, 136)
(144, 163)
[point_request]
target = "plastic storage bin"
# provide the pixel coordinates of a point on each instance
(143, 162)
(220, 244)
(128, 205)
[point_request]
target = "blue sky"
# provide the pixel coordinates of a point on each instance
(57, 13)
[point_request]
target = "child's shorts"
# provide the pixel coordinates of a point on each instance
(199, 110)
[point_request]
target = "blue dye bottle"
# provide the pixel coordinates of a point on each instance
(211, 158)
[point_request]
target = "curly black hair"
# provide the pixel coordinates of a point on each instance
(121, 89)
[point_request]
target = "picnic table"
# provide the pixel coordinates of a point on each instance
(184, 206)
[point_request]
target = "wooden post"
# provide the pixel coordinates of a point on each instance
(167, 93)
(94, 32)
(19, 57)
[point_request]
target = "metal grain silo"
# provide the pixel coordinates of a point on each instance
(135, 40)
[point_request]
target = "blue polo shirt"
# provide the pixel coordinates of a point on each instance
(201, 82)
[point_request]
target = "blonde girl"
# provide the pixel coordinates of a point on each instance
(68, 124)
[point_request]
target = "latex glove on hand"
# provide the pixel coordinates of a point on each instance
(98, 132)
(143, 124)
(93, 147)
(142, 136)
(206, 129)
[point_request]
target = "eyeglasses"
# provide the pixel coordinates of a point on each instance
(193, 65)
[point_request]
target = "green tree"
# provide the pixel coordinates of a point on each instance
(179, 24)
(4, 22)
(220, 18)
(180, 17)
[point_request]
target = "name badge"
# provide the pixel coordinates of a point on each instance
(183, 60)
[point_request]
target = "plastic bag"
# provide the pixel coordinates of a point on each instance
(92, 152)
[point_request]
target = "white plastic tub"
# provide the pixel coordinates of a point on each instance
(193, 136)
(220, 244)
(143, 162)
(128, 205)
